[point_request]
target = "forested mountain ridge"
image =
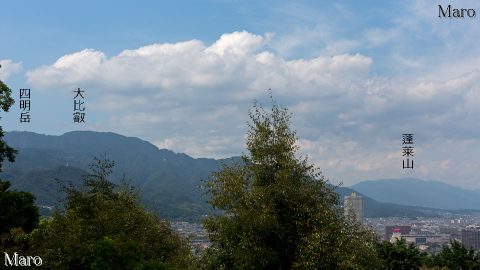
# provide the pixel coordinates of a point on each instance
(168, 182)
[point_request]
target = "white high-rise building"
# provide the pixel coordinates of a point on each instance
(354, 205)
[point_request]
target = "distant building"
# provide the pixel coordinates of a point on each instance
(441, 239)
(454, 232)
(471, 237)
(354, 205)
(400, 230)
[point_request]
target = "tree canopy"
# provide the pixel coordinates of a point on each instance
(105, 227)
(278, 212)
(18, 209)
(399, 255)
(457, 256)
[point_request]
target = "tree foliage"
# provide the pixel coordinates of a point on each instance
(105, 227)
(457, 256)
(6, 101)
(17, 209)
(399, 255)
(278, 211)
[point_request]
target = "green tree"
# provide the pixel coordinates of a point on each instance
(6, 101)
(457, 256)
(278, 211)
(105, 227)
(17, 209)
(399, 255)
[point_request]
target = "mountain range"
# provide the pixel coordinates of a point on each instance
(416, 192)
(169, 183)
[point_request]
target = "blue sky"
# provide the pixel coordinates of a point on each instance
(182, 75)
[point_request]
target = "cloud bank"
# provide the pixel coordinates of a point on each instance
(8, 67)
(193, 97)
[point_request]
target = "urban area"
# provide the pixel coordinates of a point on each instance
(428, 234)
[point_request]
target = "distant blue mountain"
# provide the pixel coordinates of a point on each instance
(416, 192)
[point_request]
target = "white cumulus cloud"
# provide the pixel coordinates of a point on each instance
(8, 67)
(236, 58)
(194, 97)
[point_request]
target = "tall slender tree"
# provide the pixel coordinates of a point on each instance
(278, 210)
